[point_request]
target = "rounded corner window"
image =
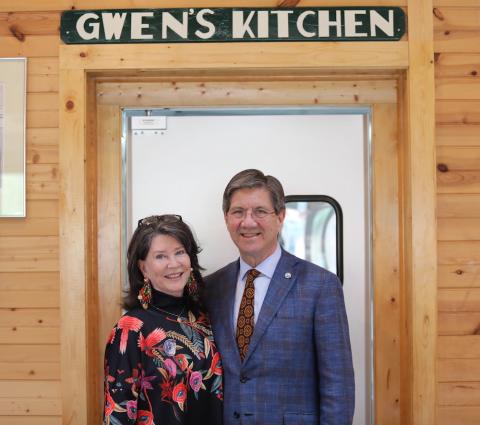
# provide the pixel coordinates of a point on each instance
(312, 230)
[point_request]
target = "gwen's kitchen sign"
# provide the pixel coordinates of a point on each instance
(232, 24)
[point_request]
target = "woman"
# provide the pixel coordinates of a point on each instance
(161, 364)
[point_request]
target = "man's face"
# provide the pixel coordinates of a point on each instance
(253, 224)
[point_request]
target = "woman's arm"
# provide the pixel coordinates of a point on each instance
(123, 372)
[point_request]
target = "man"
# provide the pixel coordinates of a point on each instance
(289, 360)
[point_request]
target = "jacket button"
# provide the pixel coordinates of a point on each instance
(236, 415)
(243, 379)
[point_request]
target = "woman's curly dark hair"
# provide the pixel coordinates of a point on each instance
(148, 228)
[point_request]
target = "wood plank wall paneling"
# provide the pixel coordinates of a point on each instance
(29, 23)
(29, 281)
(457, 71)
(458, 169)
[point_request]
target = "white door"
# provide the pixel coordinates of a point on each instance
(183, 169)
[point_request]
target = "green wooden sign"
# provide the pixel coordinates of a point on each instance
(202, 25)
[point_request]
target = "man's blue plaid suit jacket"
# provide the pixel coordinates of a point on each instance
(298, 369)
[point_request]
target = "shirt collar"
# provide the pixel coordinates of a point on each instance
(266, 267)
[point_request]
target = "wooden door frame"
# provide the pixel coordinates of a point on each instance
(379, 95)
(78, 64)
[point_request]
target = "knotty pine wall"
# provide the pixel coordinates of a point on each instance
(29, 286)
(457, 76)
(29, 279)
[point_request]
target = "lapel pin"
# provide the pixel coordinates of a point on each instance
(288, 275)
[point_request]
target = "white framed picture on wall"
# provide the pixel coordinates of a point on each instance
(12, 137)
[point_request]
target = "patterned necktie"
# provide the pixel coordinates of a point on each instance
(245, 322)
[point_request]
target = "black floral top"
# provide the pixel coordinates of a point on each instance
(163, 369)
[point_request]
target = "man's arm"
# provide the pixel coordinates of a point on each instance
(334, 356)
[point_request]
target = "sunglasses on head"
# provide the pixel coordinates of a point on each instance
(154, 219)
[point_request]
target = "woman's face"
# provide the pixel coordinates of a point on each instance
(167, 265)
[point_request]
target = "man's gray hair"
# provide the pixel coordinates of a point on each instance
(254, 179)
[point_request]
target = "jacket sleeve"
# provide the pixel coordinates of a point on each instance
(123, 373)
(334, 356)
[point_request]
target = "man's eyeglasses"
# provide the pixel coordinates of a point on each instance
(258, 213)
(154, 219)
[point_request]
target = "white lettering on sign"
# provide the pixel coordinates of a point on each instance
(351, 23)
(239, 26)
(204, 23)
(386, 25)
(262, 21)
(113, 24)
(170, 22)
(300, 27)
(93, 26)
(324, 23)
(282, 22)
(138, 26)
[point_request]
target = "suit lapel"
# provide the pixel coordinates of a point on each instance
(225, 331)
(282, 281)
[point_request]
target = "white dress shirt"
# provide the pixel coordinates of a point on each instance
(266, 268)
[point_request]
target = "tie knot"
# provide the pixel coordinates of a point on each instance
(252, 274)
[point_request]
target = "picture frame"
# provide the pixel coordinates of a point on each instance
(12, 137)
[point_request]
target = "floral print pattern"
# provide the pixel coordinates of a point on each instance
(157, 367)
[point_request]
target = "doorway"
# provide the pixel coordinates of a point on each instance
(114, 99)
(179, 161)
